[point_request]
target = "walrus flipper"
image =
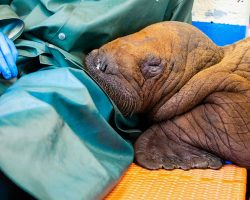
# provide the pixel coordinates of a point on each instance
(161, 147)
(219, 126)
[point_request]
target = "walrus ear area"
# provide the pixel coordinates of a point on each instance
(151, 67)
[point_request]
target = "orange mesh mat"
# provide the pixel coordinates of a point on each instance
(227, 183)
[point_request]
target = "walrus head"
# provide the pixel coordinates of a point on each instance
(143, 70)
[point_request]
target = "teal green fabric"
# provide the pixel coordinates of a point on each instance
(58, 144)
(10, 24)
(61, 137)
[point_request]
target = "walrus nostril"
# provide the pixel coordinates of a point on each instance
(101, 64)
(103, 67)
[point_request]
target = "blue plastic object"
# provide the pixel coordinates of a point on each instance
(227, 162)
(222, 34)
(8, 56)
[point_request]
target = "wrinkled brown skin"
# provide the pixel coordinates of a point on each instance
(196, 94)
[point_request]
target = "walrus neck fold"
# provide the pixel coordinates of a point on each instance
(173, 88)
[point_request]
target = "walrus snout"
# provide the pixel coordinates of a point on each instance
(97, 61)
(105, 68)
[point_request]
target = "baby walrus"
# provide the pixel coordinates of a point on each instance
(196, 94)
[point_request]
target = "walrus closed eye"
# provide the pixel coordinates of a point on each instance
(196, 94)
